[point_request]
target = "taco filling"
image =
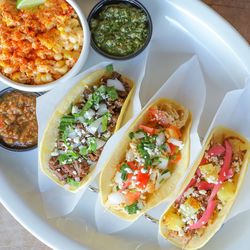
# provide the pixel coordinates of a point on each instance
(85, 129)
(209, 191)
(155, 146)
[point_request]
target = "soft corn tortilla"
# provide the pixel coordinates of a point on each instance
(51, 131)
(167, 188)
(196, 242)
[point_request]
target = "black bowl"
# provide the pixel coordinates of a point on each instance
(5, 145)
(96, 10)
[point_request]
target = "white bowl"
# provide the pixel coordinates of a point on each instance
(72, 72)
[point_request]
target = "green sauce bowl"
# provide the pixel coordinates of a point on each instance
(133, 3)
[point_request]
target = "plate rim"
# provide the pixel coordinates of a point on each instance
(241, 51)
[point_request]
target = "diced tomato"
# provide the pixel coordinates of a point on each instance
(205, 217)
(173, 148)
(148, 130)
(173, 132)
(175, 158)
(126, 184)
(132, 197)
(142, 179)
(132, 165)
(203, 185)
(158, 115)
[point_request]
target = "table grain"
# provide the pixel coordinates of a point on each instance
(13, 236)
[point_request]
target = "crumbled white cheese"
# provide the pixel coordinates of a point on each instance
(144, 171)
(219, 207)
(128, 170)
(189, 192)
(203, 192)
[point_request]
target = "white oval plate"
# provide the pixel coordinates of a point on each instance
(181, 29)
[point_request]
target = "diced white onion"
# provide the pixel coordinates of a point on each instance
(139, 135)
(55, 153)
(89, 114)
(100, 143)
(102, 109)
(116, 84)
(80, 119)
(92, 128)
(72, 134)
(75, 110)
(160, 139)
(163, 163)
(118, 178)
(176, 142)
(76, 140)
(140, 205)
(130, 155)
(115, 198)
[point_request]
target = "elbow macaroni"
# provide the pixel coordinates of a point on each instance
(51, 45)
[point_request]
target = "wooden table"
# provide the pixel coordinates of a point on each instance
(237, 12)
(13, 235)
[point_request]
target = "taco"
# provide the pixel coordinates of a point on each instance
(81, 125)
(209, 191)
(152, 156)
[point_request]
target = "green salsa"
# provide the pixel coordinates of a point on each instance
(120, 29)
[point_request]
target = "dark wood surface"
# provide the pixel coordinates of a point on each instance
(236, 12)
(13, 235)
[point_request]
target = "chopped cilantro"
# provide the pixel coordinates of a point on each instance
(105, 122)
(131, 135)
(124, 172)
(87, 106)
(132, 209)
(112, 93)
(68, 157)
(72, 182)
(84, 151)
(110, 68)
(92, 144)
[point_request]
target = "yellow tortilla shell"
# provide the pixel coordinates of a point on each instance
(210, 230)
(51, 131)
(168, 187)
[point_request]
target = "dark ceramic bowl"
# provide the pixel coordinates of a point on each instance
(95, 12)
(5, 145)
